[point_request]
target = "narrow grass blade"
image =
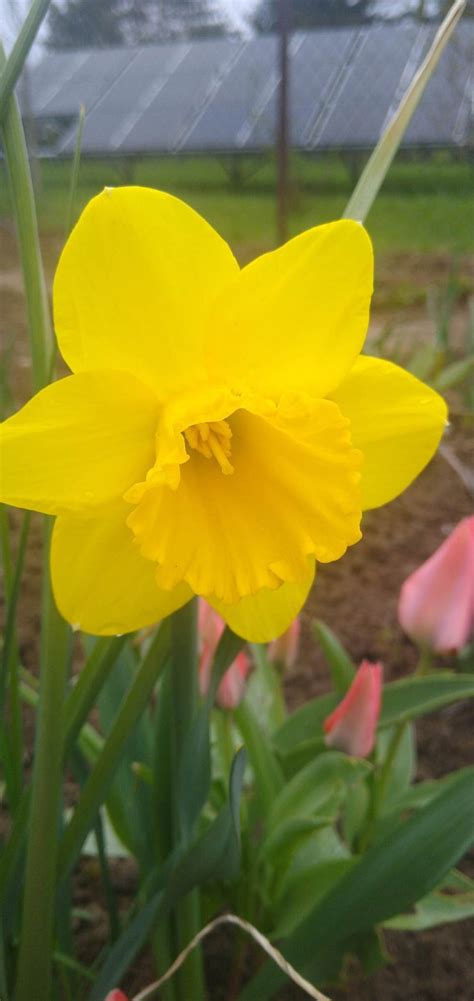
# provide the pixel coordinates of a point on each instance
(19, 53)
(76, 163)
(373, 175)
(21, 188)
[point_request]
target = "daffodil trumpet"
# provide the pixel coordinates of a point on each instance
(222, 432)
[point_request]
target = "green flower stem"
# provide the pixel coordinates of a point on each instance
(425, 663)
(184, 694)
(97, 785)
(34, 977)
(21, 187)
(9, 680)
(21, 48)
(379, 784)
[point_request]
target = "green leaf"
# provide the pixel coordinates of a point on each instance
(378, 165)
(126, 948)
(416, 696)
(304, 727)
(301, 734)
(392, 876)
(341, 666)
(133, 827)
(402, 768)
(414, 798)
(454, 374)
(285, 837)
(264, 691)
(98, 784)
(303, 892)
(439, 907)
(269, 777)
(309, 789)
(102, 655)
(194, 775)
(214, 854)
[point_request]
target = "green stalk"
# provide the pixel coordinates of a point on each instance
(184, 694)
(21, 48)
(37, 930)
(97, 785)
(9, 666)
(75, 170)
(34, 976)
(21, 187)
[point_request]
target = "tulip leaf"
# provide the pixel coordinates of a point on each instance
(439, 907)
(309, 789)
(303, 892)
(264, 691)
(402, 768)
(194, 775)
(215, 854)
(302, 733)
(417, 696)
(269, 777)
(127, 947)
(132, 826)
(341, 666)
(286, 835)
(390, 878)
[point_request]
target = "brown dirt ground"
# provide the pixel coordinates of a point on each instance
(358, 598)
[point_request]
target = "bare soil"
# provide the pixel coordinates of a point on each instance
(357, 597)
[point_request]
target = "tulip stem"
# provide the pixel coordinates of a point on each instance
(425, 663)
(184, 695)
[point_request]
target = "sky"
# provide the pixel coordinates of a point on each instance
(236, 10)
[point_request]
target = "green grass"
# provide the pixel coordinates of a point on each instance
(424, 206)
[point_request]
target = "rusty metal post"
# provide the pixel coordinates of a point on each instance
(282, 150)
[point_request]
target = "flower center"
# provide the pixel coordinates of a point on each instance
(212, 439)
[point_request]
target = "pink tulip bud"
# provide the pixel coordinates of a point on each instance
(116, 995)
(232, 685)
(436, 606)
(284, 650)
(352, 725)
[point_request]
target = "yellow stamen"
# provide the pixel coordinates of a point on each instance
(212, 439)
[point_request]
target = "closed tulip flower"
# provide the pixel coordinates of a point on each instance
(352, 726)
(436, 606)
(232, 686)
(116, 995)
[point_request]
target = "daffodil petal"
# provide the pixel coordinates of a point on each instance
(396, 421)
(101, 583)
(134, 284)
(288, 497)
(296, 319)
(79, 443)
(264, 616)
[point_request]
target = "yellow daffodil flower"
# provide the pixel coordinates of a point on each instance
(221, 432)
